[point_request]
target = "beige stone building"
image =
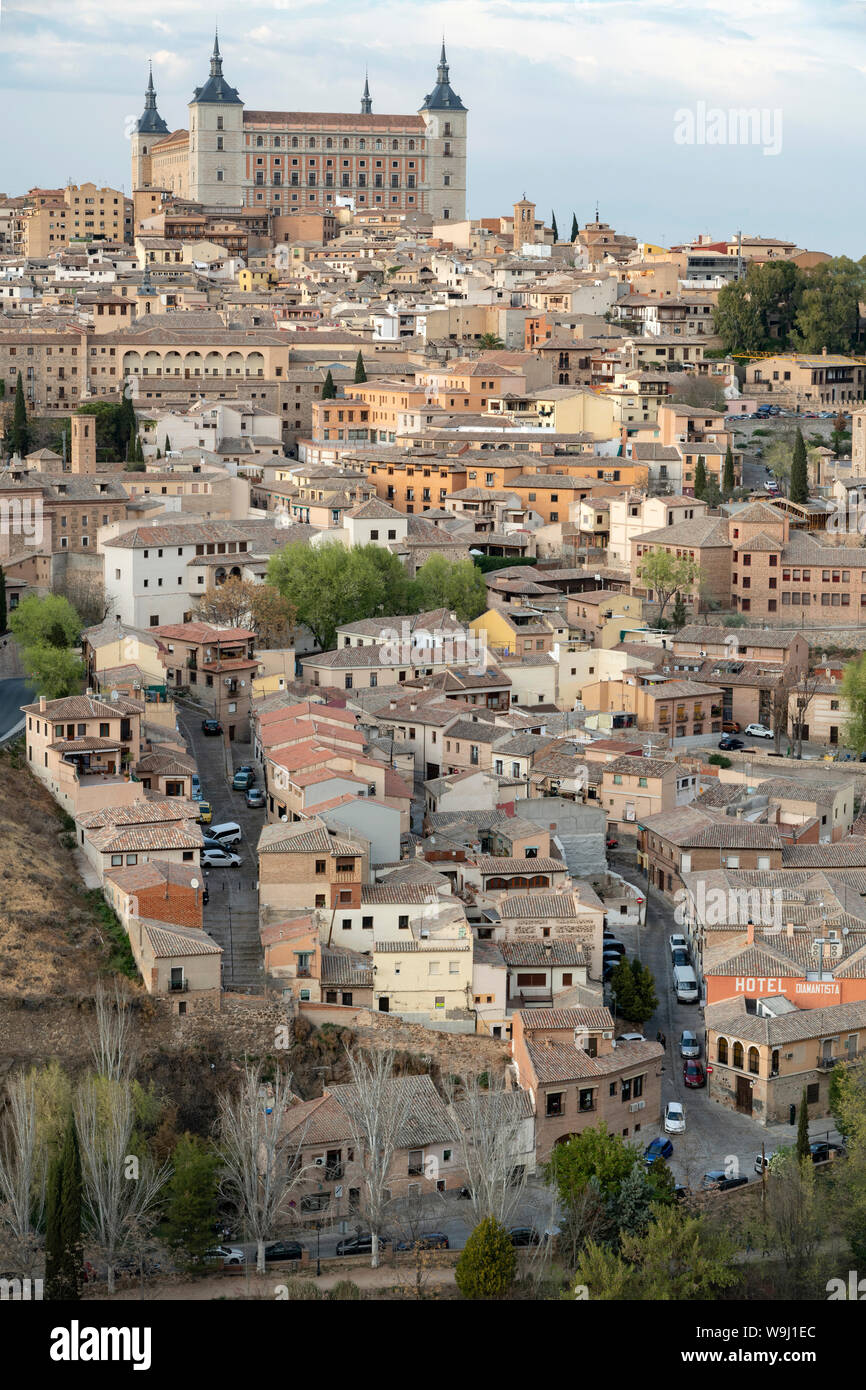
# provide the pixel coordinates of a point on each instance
(76, 213)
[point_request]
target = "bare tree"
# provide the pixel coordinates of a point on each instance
(261, 1156)
(489, 1127)
(112, 1048)
(121, 1188)
(805, 690)
(380, 1107)
(22, 1169)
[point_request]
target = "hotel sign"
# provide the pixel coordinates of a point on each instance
(762, 985)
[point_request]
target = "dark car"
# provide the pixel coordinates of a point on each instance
(730, 745)
(822, 1151)
(659, 1148)
(717, 1180)
(694, 1074)
(211, 726)
(431, 1240)
(283, 1250)
(679, 957)
(255, 798)
(613, 947)
(524, 1235)
(362, 1244)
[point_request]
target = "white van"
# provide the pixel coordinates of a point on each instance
(685, 984)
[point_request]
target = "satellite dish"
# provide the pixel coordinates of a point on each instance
(115, 694)
(194, 883)
(284, 819)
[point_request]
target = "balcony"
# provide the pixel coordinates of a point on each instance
(825, 1063)
(178, 986)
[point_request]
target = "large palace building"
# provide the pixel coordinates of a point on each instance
(302, 161)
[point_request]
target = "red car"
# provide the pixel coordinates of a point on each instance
(693, 1073)
(611, 842)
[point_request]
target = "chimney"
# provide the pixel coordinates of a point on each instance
(823, 352)
(392, 704)
(789, 931)
(42, 704)
(750, 933)
(90, 690)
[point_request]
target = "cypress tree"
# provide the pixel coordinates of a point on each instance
(63, 1248)
(678, 612)
(799, 487)
(700, 476)
(554, 226)
(574, 227)
(167, 445)
(728, 473)
(19, 434)
(329, 390)
(360, 369)
(803, 1150)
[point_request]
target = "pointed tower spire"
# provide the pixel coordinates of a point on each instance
(366, 102)
(151, 123)
(442, 71)
(216, 62)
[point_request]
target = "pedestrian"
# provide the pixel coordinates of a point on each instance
(658, 1036)
(664, 1040)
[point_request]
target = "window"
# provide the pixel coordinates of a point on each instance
(555, 1101)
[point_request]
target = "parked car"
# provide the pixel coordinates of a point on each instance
(614, 948)
(694, 1075)
(243, 780)
(772, 486)
(679, 958)
(196, 793)
(677, 942)
(764, 1160)
(717, 1180)
(758, 731)
(255, 798)
(631, 1037)
(225, 1255)
(731, 726)
(205, 814)
(659, 1148)
(730, 745)
(675, 1118)
(219, 859)
(211, 727)
(431, 1240)
(228, 832)
(606, 971)
(689, 1045)
(521, 1236)
(611, 843)
(283, 1250)
(362, 1244)
(823, 1152)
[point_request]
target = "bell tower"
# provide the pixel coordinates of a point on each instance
(445, 119)
(149, 128)
(524, 223)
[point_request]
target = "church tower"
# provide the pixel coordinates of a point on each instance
(150, 127)
(445, 118)
(366, 102)
(216, 140)
(524, 224)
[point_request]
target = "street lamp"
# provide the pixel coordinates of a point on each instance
(318, 1247)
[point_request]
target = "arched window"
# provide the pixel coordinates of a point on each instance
(312, 142)
(345, 144)
(276, 142)
(395, 144)
(362, 144)
(294, 142)
(737, 1058)
(329, 144)
(722, 1052)
(753, 1061)
(774, 1062)
(259, 142)
(411, 144)
(378, 144)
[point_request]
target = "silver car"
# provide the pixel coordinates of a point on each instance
(689, 1045)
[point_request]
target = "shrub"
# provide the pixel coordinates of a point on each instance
(303, 1290)
(345, 1290)
(719, 760)
(487, 1266)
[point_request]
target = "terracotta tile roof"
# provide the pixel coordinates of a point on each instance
(169, 942)
(562, 951)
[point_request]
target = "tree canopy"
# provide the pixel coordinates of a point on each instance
(665, 575)
(331, 584)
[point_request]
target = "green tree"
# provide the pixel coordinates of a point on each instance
(166, 448)
(644, 1002)
(778, 458)
(799, 489)
(737, 319)
(331, 584)
(575, 230)
(191, 1205)
(622, 986)
(591, 1154)
(51, 621)
(802, 1145)
(490, 342)
(554, 227)
(329, 390)
(700, 476)
(678, 613)
(663, 575)
(55, 671)
(829, 312)
(854, 694)
(487, 1263)
(456, 585)
(18, 434)
(127, 417)
(3, 613)
(360, 369)
(112, 428)
(728, 482)
(680, 1257)
(63, 1245)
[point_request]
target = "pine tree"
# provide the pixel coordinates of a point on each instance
(360, 369)
(329, 390)
(728, 473)
(798, 490)
(554, 226)
(19, 433)
(700, 476)
(129, 424)
(158, 452)
(63, 1248)
(191, 1206)
(803, 1150)
(574, 227)
(487, 1265)
(166, 448)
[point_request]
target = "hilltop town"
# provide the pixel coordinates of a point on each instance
(434, 645)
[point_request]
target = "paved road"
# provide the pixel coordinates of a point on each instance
(14, 692)
(232, 914)
(715, 1136)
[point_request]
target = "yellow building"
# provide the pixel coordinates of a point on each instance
(423, 979)
(82, 213)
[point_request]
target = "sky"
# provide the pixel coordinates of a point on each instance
(571, 101)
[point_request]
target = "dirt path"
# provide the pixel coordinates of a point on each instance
(254, 1286)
